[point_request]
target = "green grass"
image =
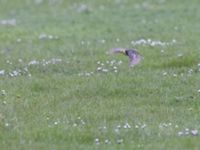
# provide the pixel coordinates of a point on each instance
(54, 107)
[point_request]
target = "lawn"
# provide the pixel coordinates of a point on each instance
(60, 89)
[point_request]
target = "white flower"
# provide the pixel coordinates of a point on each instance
(103, 41)
(42, 36)
(119, 141)
(19, 40)
(98, 62)
(180, 133)
(127, 126)
(107, 141)
(114, 67)
(6, 124)
(33, 62)
(117, 40)
(164, 73)
(105, 70)
(99, 69)
(2, 72)
(3, 92)
(97, 141)
(194, 132)
(143, 126)
(162, 51)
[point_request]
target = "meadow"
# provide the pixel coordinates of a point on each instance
(60, 89)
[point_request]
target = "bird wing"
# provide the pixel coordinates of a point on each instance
(134, 58)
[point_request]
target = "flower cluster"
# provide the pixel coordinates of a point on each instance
(44, 36)
(187, 131)
(152, 42)
(25, 69)
(104, 67)
(8, 22)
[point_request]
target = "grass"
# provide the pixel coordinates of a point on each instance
(63, 105)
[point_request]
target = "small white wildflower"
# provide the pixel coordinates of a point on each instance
(186, 129)
(194, 132)
(99, 69)
(190, 71)
(198, 65)
(180, 55)
(50, 37)
(136, 126)
(87, 74)
(105, 70)
(162, 51)
(55, 123)
(176, 126)
(20, 60)
(198, 90)
(117, 40)
(114, 67)
(2, 72)
(175, 75)
(102, 64)
(119, 62)
(103, 41)
(74, 125)
(19, 40)
(10, 22)
(107, 141)
(3, 92)
(117, 130)
(174, 41)
(42, 36)
(4, 102)
(82, 122)
(15, 73)
(115, 71)
(180, 133)
(127, 126)
(33, 62)
(120, 141)
(98, 62)
(25, 69)
(6, 124)
(8, 62)
(82, 42)
(187, 133)
(97, 141)
(164, 73)
(143, 126)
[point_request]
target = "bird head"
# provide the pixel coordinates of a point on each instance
(119, 50)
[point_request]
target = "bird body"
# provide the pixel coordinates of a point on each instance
(134, 56)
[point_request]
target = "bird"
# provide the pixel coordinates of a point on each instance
(134, 56)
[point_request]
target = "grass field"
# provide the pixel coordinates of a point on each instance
(53, 97)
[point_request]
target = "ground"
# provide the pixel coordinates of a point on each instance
(61, 89)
